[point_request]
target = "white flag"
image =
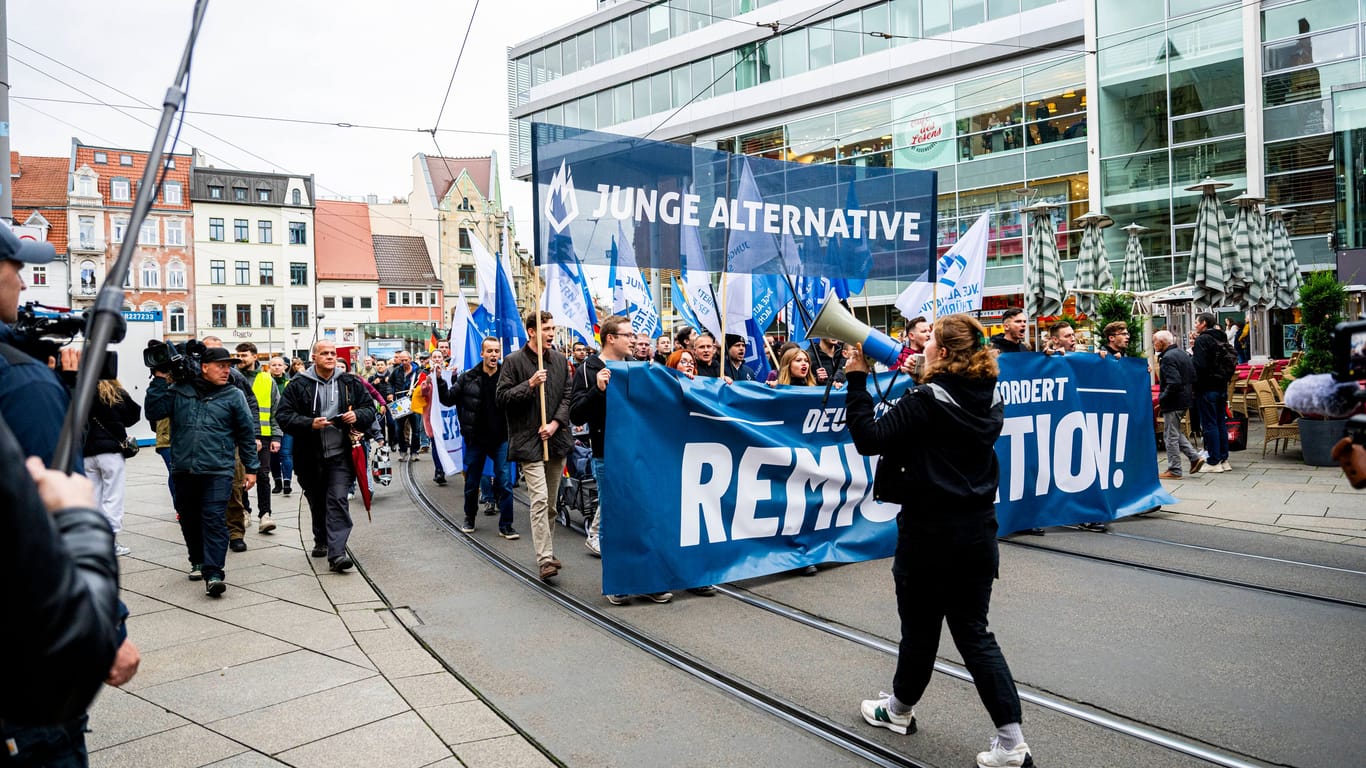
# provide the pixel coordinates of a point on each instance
(631, 292)
(565, 299)
(485, 275)
(697, 281)
(961, 272)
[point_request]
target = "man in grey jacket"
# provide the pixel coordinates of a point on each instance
(538, 447)
(1176, 394)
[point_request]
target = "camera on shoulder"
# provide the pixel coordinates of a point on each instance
(179, 361)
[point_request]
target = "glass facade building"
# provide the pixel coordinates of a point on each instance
(1111, 105)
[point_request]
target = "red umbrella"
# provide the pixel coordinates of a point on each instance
(361, 466)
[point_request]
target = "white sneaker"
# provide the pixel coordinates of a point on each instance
(997, 757)
(266, 525)
(1209, 469)
(1224, 466)
(592, 544)
(878, 712)
(121, 550)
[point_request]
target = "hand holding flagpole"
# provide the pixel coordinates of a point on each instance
(540, 366)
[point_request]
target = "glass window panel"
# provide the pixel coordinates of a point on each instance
(605, 115)
(875, 20)
(660, 97)
(1056, 76)
(1298, 154)
(813, 140)
(1133, 94)
(1302, 18)
(1136, 173)
(723, 65)
(1117, 16)
(553, 66)
(1315, 49)
(621, 35)
(865, 130)
(905, 20)
(602, 43)
(992, 91)
(585, 48)
(821, 42)
(658, 20)
(569, 51)
(770, 60)
(1303, 119)
(848, 37)
(555, 115)
(1308, 83)
(624, 108)
(1207, 87)
(1224, 160)
(571, 114)
(1183, 7)
(682, 84)
(1302, 187)
(678, 16)
(794, 53)
(538, 74)
(640, 30)
(701, 78)
(1207, 126)
(1311, 220)
(746, 67)
(723, 9)
(588, 112)
(1029, 5)
(762, 141)
(641, 96)
(938, 17)
(997, 9)
(968, 12)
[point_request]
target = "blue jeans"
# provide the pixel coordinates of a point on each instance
(475, 458)
(45, 746)
(282, 463)
(1213, 408)
(202, 501)
(165, 454)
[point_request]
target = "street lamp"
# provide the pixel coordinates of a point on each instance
(270, 329)
(316, 325)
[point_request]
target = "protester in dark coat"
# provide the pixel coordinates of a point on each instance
(946, 557)
(1176, 386)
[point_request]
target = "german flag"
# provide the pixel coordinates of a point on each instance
(431, 343)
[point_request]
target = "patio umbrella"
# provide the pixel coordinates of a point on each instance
(1285, 269)
(1135, 276)
(1212, 251)
(1093, 264)
(1044, 291)
(1247, 280)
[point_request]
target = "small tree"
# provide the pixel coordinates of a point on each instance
(1118, 307)
(1321, 300)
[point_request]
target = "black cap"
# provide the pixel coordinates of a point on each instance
(26, 251)
(732, 340)
(215, 355)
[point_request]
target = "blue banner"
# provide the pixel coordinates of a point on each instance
(713, 483)
(877, 222)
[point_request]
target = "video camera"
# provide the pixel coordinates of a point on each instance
(179, 361)
(42, 334)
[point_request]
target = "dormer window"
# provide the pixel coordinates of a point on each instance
(119, 189)
(297, 197)
(239, 194)
(85, 186)
(263, 195)
(101, 157)
(215, 192)
(125, 159)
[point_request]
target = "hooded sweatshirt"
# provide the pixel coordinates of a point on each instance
(325, 400)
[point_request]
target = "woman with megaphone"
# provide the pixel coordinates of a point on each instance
(946, 554)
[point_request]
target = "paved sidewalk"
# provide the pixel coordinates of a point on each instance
(1277, 493)
(292, 666)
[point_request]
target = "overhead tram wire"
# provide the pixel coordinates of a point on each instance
(72, 126)
(447, 96)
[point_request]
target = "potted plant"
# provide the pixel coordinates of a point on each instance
(1321, 300)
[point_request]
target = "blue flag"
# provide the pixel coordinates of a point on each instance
(510, 328)
(756, 352)
(681, 304)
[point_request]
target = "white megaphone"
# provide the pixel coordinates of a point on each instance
(836, 322)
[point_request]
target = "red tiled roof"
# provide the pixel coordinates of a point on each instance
(39, 181)
(402, 260)
(113, 168)
(445, 170)
(344, 250)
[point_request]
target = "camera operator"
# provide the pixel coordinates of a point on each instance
(209, 419)
(239, 503)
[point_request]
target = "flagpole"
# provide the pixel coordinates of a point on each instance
(540, 366)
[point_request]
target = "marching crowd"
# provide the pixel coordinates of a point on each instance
(233, 423)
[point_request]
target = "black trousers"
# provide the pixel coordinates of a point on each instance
(264, 456)
(948, 578)
(326, 483)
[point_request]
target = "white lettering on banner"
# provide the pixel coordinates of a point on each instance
(649, 205)
(823, 420)
(1072, 456)
(840, 473)
(1021, 391)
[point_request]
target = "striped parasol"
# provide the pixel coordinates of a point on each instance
(1212, 252)
(1044, 291)
(1246, 282)
(1093, 264)
(1135, 277)
(1284, 279)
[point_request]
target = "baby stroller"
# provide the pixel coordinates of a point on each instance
(578, 490)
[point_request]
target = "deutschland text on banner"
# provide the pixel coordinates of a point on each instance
(713, 483)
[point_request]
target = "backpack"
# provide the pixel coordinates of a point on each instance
(1224, 362)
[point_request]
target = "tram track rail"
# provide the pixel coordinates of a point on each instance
(787, 711)
(1231, 552)
(792, 713)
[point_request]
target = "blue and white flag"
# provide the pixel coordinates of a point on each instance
(699, 295)
(961, 272)
(485, 275)
(511, 331)
(465, 340)
(756, 351)
(810, 297)
(566, 296)
(630, 292)
(682, 307)
(713, 483)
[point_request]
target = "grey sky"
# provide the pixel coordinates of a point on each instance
(337, 61)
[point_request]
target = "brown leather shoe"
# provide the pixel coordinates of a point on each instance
(549, 571)
(1168, 476)
(556, 563)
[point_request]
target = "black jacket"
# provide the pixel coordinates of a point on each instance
(739, 372)
(1003, 345)
(588, 404)
(109, 424)
(710, 370)
(1176, 379)
(299, 406)
(833, 365)
(946, 485)
(1202, 356)
(59, 583)
(400, 382)
(481, 420)
(380, 381)
(522, 404)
